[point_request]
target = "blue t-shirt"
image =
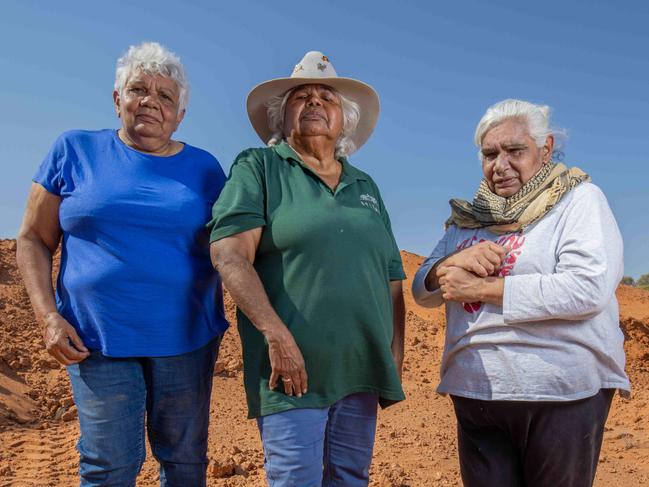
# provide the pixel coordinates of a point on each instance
(135, 277)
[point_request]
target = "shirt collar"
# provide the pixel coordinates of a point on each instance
(349, 172)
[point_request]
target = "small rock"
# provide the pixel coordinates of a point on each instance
(67, 402)
(222, 469)
(69, 415)
(240, 470)
(59, 413)
(8, 356)
(234, 365)
(219, 368)
(53, 364)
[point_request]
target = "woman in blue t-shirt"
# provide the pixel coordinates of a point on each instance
(138, 312)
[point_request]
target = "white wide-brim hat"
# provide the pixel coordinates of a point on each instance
(315, 68)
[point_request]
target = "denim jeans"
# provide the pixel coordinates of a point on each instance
(325, 447)
(118, 397)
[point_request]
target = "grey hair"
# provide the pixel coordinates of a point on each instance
(537, 118)
(152, 59)
(276, 108)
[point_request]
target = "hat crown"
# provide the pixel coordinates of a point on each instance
(314, 64)
(315, 68)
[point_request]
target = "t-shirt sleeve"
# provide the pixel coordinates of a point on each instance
(241, 205)
(395, 267)
(420, 293)
(50, 172)
(217, 180)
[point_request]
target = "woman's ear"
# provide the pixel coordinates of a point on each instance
(548, 148)
(116, 102)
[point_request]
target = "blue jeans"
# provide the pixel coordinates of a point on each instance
(117, 397)
(325, 447)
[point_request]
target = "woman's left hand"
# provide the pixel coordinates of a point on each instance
(465, 287)
(458, 284)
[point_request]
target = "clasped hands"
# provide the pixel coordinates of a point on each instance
(470, 275)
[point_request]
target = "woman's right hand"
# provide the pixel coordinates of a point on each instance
(37, 241)
(286, 362)
(61, 340)
(483, 259)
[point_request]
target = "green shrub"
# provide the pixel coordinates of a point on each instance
(628, 280)
(643, 281)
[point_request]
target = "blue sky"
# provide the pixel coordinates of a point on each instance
(436, 65)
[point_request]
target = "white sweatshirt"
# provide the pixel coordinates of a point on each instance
(557, 336)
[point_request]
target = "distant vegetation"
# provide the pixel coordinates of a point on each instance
(642, 282)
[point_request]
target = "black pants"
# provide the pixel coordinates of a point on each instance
(530, 444)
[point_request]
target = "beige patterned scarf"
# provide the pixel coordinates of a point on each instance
(530, 203)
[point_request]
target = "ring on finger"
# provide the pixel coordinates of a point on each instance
(287, 379)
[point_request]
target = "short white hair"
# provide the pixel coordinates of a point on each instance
(276, 108)
(153, 59)
(537, 118)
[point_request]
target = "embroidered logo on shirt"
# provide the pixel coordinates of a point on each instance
(369, 201)
(514, 242)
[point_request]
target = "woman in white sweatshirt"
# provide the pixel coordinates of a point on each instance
(528, 272)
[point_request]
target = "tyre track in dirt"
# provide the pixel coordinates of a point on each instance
(43, 458)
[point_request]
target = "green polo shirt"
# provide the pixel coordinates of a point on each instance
(325, 259)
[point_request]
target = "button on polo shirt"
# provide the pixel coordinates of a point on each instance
(325, 259)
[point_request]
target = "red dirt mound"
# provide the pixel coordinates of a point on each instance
(415, 439)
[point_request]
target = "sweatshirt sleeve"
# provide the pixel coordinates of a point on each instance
(588, 269)
(424, 297)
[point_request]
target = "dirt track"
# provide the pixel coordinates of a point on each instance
(415, 440)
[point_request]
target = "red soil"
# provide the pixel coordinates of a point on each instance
(415, 443)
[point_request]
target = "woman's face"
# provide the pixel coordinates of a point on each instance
(510, 157)
(149, 107)
(313, 110)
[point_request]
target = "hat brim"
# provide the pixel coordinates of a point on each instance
(361, 93)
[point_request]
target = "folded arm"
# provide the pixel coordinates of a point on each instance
(462, 275)
(589, 267)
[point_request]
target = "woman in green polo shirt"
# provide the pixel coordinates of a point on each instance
(303, 243)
